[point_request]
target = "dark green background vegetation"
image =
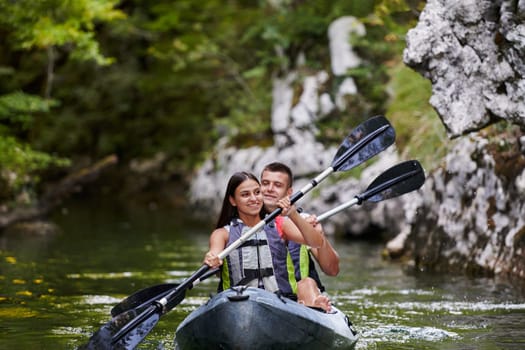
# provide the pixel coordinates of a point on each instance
(80, 80)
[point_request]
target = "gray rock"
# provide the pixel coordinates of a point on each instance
(470, 216)
(473, 52)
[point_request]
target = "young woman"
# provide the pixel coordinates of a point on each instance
(263, 261)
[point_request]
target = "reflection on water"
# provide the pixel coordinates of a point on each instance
(56, 292)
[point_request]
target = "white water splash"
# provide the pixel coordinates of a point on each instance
(402, 334)
(106, 275)
(379, 292)
(99, 300)
(458, 307)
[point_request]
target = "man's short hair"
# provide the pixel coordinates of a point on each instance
(278, 167)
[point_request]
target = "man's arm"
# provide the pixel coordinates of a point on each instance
(326, 256)
(297, 229)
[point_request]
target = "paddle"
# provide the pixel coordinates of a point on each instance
(402, 178)
(148, 295)
(368, 139)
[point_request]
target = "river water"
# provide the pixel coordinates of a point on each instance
(56, 291)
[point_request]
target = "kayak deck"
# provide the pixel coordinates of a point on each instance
(252, 318)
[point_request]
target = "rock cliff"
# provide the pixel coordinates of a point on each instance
(471, 216)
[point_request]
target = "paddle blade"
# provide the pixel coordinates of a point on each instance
(102, 339)
(148, 295)
(137, 334)
(143, 298)
(365, 141)
(397, 180)
(128, 328)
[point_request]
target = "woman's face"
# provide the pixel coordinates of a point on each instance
(248, 198)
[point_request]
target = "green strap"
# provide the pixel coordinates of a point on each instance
(291, 272)
(304, 261)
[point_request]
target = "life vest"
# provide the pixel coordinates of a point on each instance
(262, 261)
(304, 263)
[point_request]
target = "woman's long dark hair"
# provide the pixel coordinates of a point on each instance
(228, 211)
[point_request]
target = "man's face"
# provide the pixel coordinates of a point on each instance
(274, 186)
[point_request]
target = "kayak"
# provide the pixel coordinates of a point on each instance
(253, 318)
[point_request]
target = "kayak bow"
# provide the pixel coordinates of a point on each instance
(253, 318)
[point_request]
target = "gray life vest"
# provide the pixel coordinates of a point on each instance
(262, 261)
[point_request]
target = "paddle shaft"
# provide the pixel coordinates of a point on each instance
(337, 209)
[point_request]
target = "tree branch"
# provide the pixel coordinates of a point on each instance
(56, 193)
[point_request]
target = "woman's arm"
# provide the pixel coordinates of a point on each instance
(218, 240)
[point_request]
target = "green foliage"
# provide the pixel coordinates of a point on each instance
(20, 165)
(281, 36)
(298, 27)
(48, 23)
(31, 28)
(17, 109)
(184, 73)
(382, 44)
(419, 131)
(19, 162)
(378, 49)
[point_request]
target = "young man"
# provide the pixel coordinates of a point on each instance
(276, 183)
